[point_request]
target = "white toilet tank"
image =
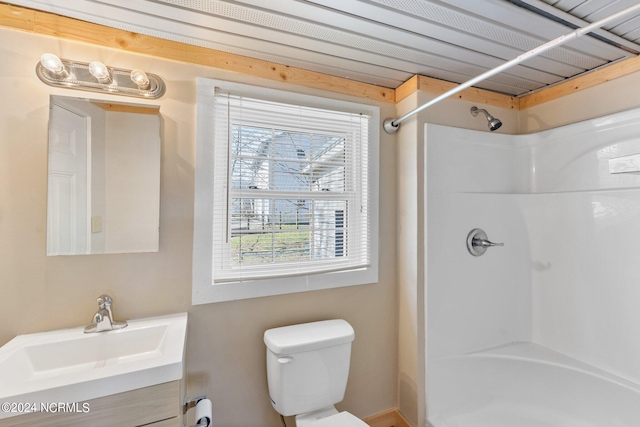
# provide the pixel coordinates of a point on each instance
(308, 365)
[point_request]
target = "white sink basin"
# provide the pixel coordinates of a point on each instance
(69, 366)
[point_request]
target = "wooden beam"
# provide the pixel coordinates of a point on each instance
(44, 23)
(16, 17)
(576, 84)
(127, 108)
(472, 94)
(585, 81)
(570, 86)
(48, 24)
(407, 88)
(438, 87)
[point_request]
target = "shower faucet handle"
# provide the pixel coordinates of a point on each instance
(484, 243)
(477, 242)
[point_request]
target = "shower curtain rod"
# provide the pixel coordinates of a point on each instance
(392, 125)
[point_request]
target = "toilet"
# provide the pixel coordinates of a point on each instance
(307, 370)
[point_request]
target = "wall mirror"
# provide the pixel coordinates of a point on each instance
(103, 177)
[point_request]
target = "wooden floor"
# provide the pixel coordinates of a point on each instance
(390, 418)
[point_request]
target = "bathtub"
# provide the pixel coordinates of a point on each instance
(527, 385)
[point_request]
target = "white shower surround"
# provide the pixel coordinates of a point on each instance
(528, 385)
(567, 278)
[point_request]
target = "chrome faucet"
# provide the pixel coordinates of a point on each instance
(103, 319)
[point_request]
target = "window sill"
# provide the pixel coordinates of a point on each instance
(230, 291)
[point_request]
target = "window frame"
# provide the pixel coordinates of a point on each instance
(204, 289)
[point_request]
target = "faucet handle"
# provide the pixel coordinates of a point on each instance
(485, 243)
(104, 301)
(477, 242)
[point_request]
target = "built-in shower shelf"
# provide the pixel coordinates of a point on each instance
(625, 164)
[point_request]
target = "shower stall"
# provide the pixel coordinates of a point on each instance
(545, 330)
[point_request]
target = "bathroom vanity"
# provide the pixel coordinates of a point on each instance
(127, 377)
(154, 406)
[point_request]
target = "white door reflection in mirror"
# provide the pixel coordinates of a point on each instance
(68, 183)
(104, 177)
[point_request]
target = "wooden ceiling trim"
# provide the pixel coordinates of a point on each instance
(49, 24)
(17, 17)
(127, 108)
(585, 81)
(438, 87)
(472, 94)
(44, 23)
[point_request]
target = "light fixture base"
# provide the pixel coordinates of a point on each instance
(80, 78)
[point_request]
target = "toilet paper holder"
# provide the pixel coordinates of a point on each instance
(202, 421)
(192, 402)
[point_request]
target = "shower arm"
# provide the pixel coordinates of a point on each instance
(392, 125)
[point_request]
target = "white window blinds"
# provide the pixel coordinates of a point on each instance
(290, 193)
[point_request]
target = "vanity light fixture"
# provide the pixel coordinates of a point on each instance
(100, 72)
(140, 78)
(52, 63)
(97, 77)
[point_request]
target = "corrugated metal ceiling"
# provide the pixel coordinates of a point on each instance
(383, 42)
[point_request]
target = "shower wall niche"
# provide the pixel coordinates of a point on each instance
(567, 277)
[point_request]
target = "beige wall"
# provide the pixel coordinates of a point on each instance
(410, 331)
(225, 354)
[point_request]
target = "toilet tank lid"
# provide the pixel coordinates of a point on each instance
(308, 336)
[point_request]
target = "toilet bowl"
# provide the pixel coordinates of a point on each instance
(307, 370)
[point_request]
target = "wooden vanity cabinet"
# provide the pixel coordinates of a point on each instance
(154, 406)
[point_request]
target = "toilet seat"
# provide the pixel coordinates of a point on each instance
(342, 419)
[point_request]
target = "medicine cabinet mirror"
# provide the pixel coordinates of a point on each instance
(103, 177)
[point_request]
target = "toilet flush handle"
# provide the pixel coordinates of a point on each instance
(284, 360)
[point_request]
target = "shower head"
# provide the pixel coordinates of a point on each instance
(493, 123)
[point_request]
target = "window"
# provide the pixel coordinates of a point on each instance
(286, 193)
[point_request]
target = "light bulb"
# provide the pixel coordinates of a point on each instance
(54, 64)
(140, 78)
(99, 71)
